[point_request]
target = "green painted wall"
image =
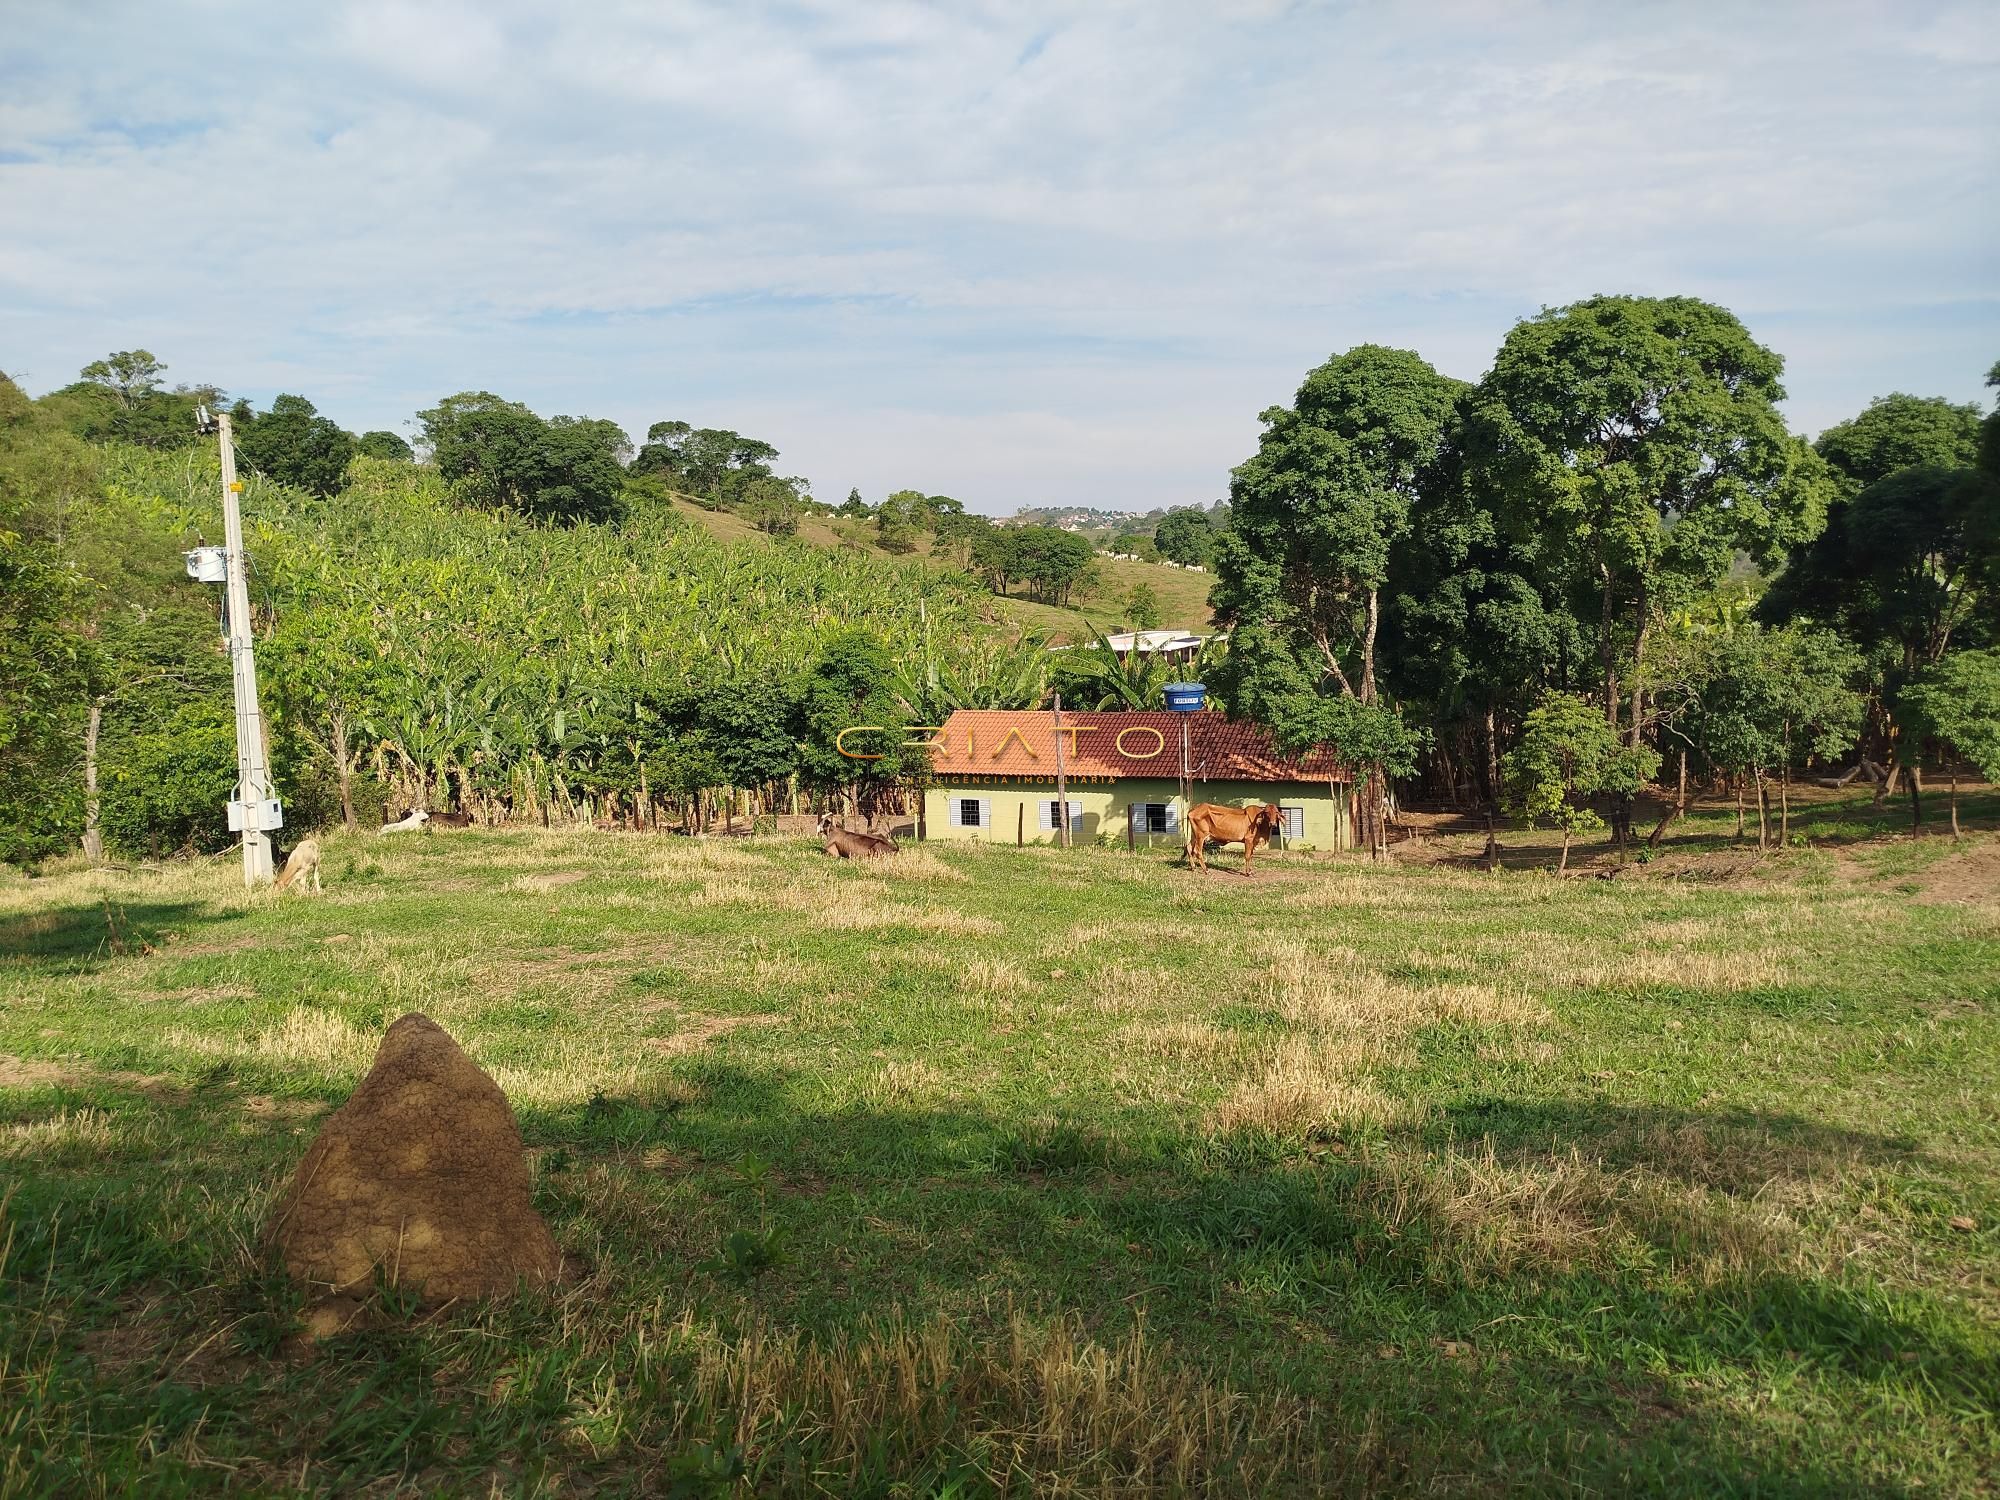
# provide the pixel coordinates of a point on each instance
(1104, 809)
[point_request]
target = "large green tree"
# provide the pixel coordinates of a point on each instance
(1908, 565)
(295, 445)
(501, 455)
(1900, 432)
(1634, 445)
(1185, 536)
(710, 463)
(1316, 516)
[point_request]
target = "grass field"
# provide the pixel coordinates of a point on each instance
(1049, 1173)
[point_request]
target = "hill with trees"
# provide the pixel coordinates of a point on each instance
(1605, 566)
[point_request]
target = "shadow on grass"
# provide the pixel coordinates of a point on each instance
(1734, 1151)
(1328, 1277)
(76, 939)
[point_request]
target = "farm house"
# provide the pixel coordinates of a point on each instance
(994, 778)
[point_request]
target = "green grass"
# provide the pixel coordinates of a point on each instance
(987, 1171)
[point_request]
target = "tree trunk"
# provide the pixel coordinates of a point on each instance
(1677, 810)
(1638, 663)
(1492, 843)
(1492, 762)
(343, 767)
(1604, 655)
(93, 834)
(1368, 647)
(1916, 797)
(1954, 801)
(1562, 865)
(1763, 814)
(1739, 808)
(1785, 808)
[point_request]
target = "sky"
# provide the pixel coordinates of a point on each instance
(1018, 253)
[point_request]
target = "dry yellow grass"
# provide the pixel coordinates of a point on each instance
(317, 1039)
(1332, 989)
(67, 1133)
(1047, 1409)
(1312, 1088)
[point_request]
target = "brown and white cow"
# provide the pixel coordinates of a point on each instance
(1248, 826)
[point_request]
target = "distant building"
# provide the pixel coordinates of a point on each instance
(1175, 645)
(994, 777)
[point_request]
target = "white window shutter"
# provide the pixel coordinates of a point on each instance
(1075, 815)
(1173, 818)
(985, 812)
(1048, 812)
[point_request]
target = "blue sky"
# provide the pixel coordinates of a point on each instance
(1018, 253)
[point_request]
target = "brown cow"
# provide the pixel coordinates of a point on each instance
(838, 841)
(1248, 826)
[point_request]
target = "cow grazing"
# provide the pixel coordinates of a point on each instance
(301, 867)
(837, 841)
(451, 820)
(1248, 826)
(416, 819)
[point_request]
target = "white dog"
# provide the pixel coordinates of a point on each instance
(302, 867)
(416, 819)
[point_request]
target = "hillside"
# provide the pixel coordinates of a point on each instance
(1182, 595)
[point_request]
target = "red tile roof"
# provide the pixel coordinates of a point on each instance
(1002, 742)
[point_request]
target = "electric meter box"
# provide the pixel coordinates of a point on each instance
(208, 565)
(262, 815)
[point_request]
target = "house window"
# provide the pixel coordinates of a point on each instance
(968, 812)
(1156, 817)
(1295, 821)
(1052, 814)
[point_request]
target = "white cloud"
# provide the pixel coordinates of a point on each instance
(1049, 252)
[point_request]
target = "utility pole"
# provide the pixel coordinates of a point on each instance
(1062, 782)
(254, 809)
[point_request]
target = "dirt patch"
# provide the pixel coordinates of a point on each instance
(421, 1176)
(28, 1073)
(545, 883)
(698, 1031)
(1970, 877)
(25, 1073)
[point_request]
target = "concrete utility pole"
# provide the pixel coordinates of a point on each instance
(255, 808)
(1062, 781)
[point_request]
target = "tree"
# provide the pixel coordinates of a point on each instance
(993, 556)
(711, 464)
(294, 445)
(1635, 446)
(853, 505)
(119, 399)
(1908, 565)
(771, 506)
(1769, 698)
(1142, 607)
(132, 374)
(958, 534)
(1957, 702)
(1900, 432)
(379, 444)
(1316, 516)
(499, 454)
(1567, 754)
(1185, 536)
(1052, 561)
(851, 686)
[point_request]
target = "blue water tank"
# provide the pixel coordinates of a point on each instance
(1186, 697)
